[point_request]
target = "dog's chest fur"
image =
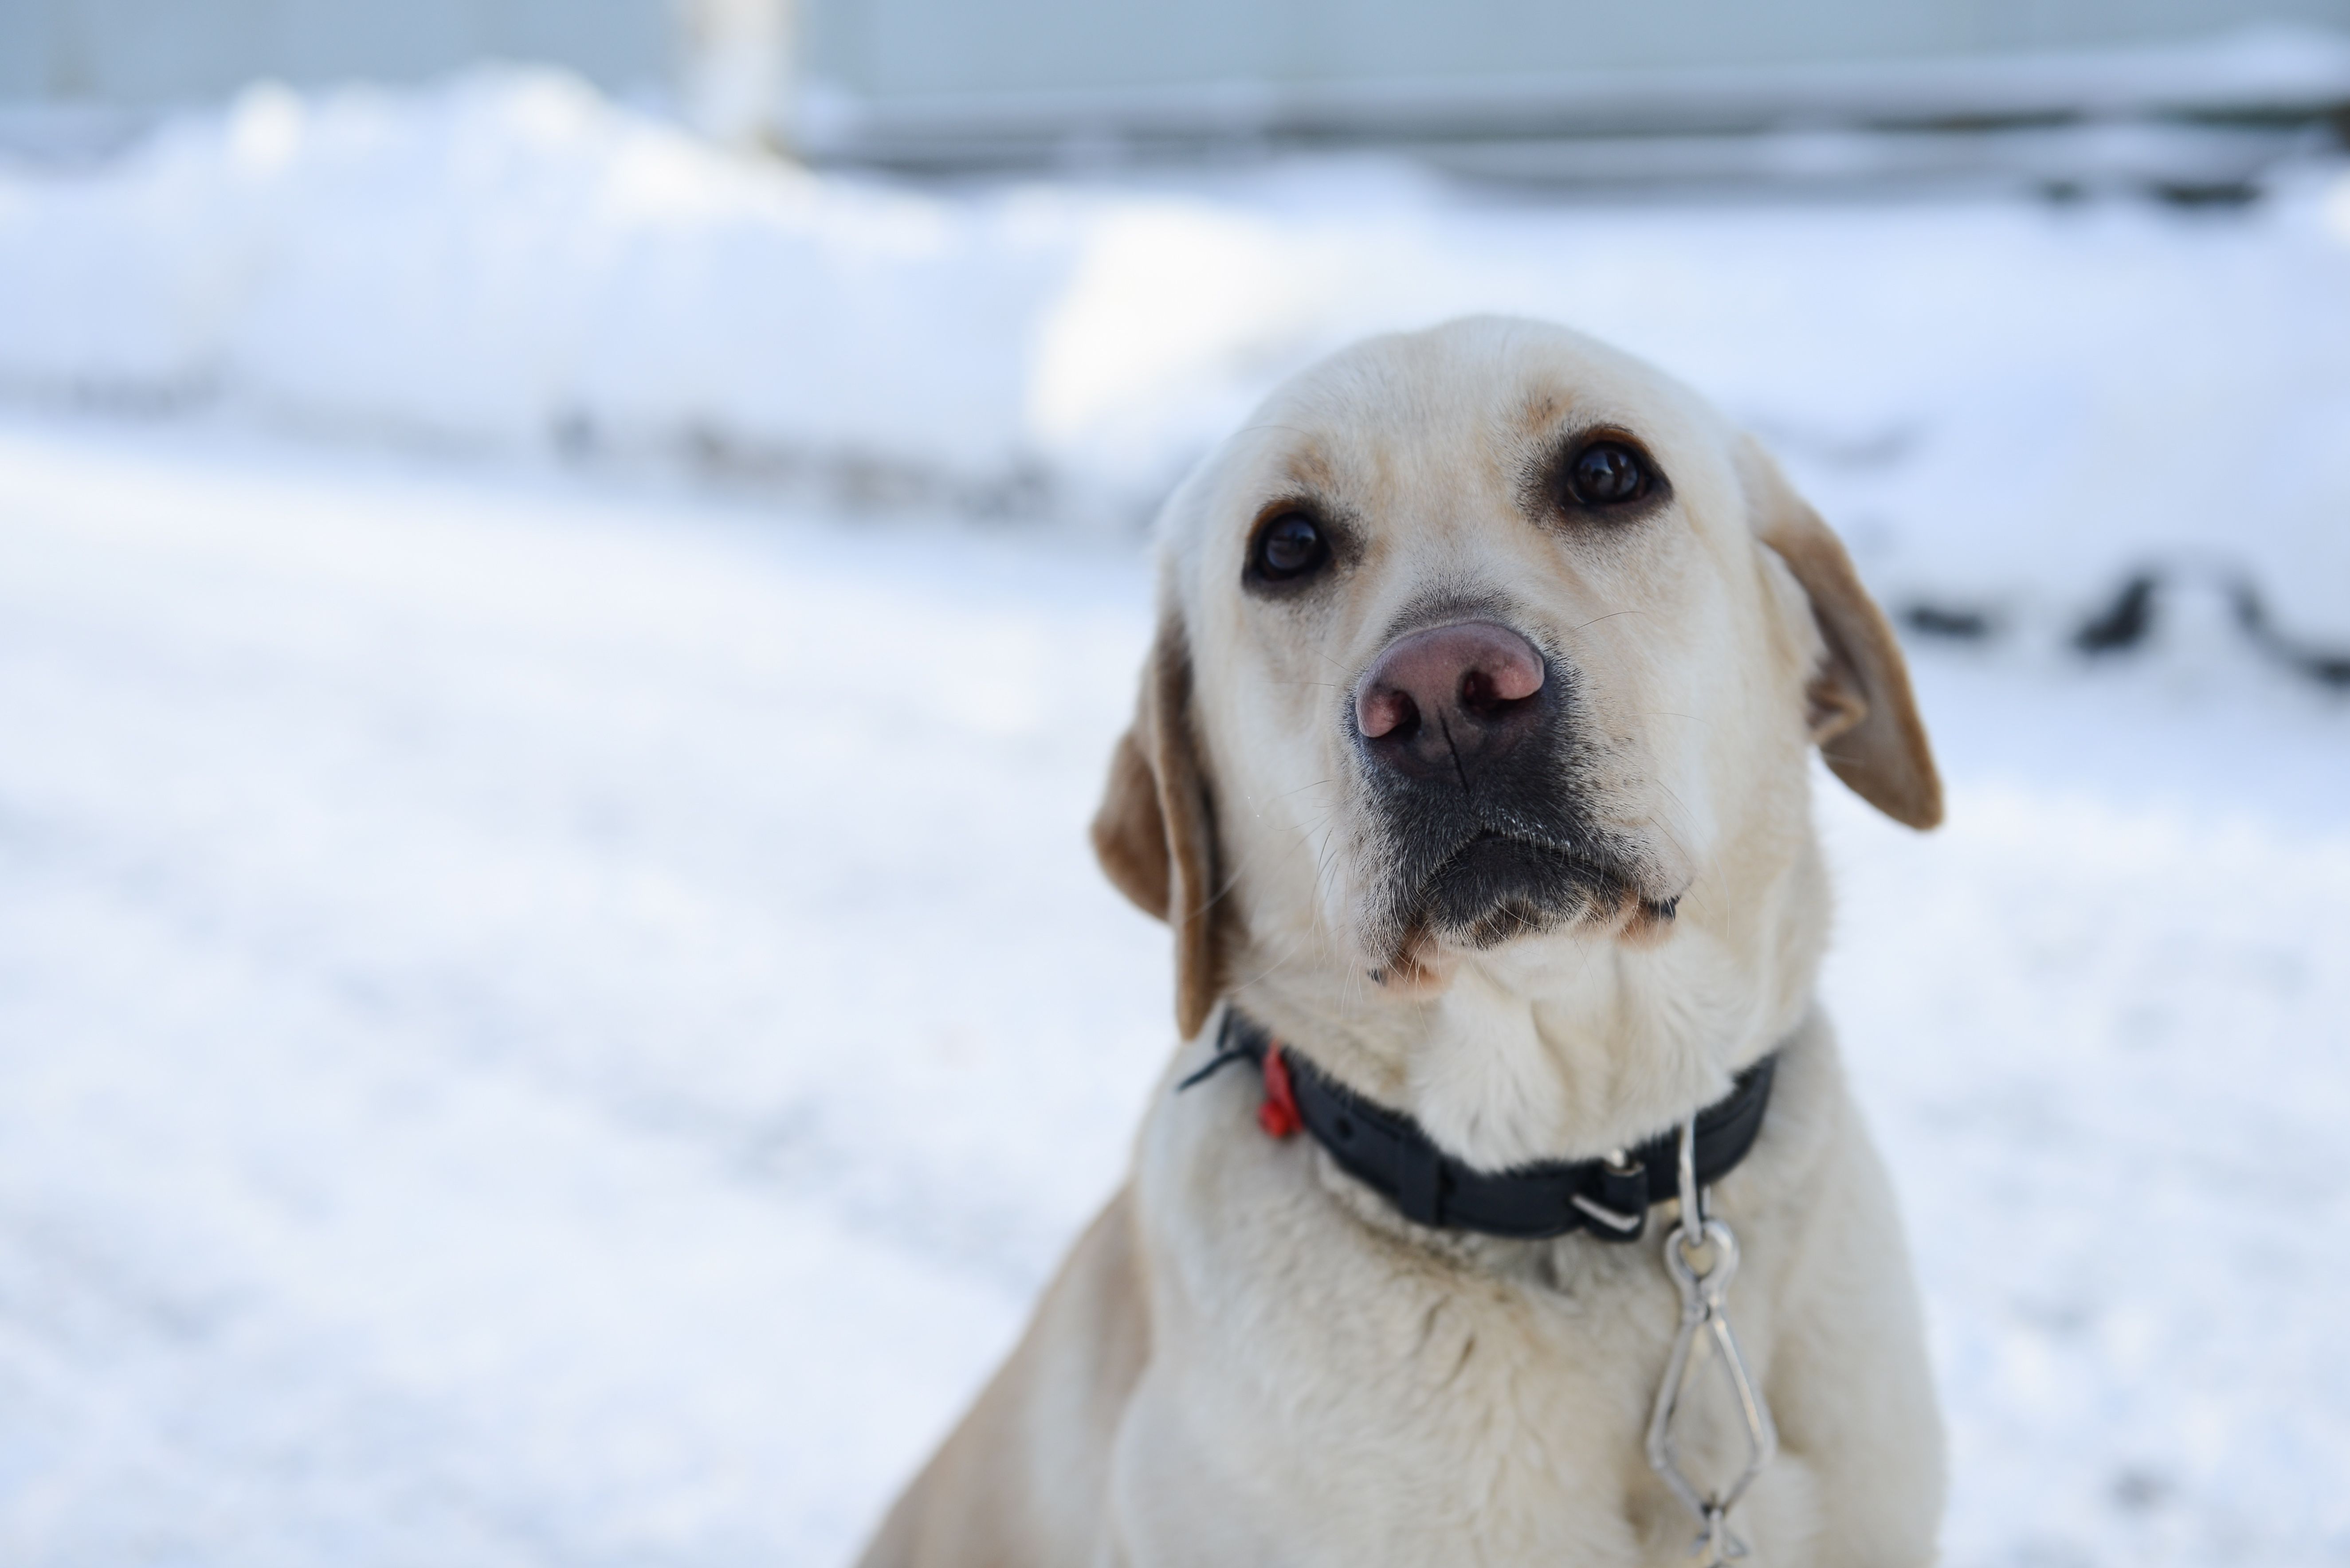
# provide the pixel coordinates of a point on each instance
(1382, 1394)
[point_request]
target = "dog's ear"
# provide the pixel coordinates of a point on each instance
(1155, 832)
(1863, 716)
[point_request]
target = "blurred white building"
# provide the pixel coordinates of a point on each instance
(2184, 90)
(156, 52)
(2188, 92)
(80, 76)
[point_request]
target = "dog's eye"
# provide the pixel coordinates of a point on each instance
(1607, 474)
(1288, 546)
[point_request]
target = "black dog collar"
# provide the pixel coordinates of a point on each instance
(1389, 1152)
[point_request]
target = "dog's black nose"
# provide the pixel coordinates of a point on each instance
(1443, 703)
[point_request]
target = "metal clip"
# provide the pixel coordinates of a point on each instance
(1704, 1311)
(1621, 1204)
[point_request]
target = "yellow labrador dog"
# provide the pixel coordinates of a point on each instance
(1472, 770)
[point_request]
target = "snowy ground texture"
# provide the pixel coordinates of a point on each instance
(539, 1029)
(546, 1018)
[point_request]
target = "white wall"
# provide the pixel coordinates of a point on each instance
(152, 52)
(935, 80)
(913, 49)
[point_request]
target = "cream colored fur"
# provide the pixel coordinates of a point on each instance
(1250, 1360)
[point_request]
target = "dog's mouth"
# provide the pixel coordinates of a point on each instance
(1495, 885)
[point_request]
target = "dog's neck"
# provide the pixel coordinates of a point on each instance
(1566, 1047)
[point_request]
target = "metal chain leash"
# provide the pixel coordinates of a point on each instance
(1705, 1314)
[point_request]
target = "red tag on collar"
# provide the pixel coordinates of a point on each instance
(1277, 1114)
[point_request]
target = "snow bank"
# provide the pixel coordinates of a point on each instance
(2003, 405)
(511, 257)
(529, 1035)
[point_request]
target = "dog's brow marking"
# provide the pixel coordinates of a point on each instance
(1312, 468)
(1541, 411)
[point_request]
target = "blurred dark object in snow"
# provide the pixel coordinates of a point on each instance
(1958, 623)
(2128, 619)
(2124, 623)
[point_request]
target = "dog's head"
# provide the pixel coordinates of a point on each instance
(1489, 658)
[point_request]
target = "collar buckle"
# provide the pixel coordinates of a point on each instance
(1616, 1201)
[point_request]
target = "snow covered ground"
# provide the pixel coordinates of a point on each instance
(550, 1016)
(550, 1026)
